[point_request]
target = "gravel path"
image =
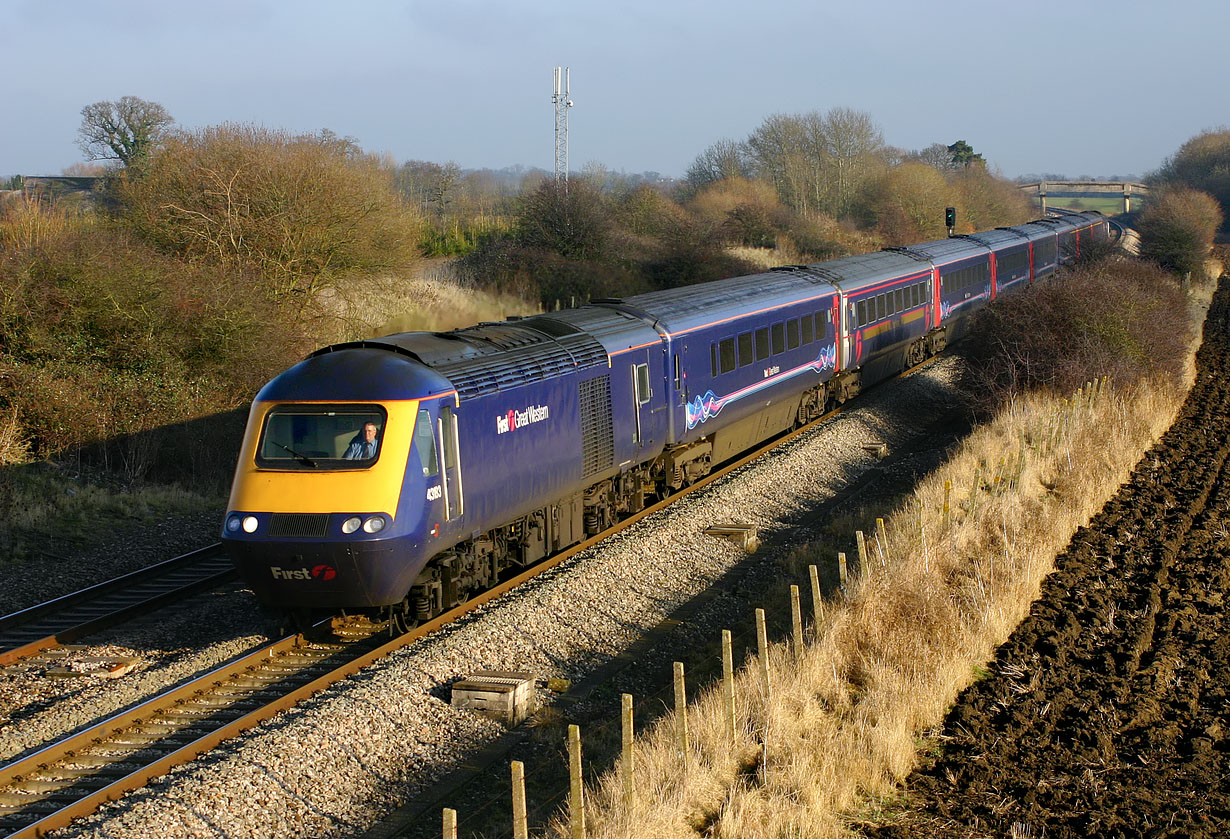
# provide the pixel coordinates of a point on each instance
(336, 764)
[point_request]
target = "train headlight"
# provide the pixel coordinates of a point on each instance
(375, 524)
(232, 524)
(351, 525)
(249, 524)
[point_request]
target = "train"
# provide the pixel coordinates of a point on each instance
(398, 476)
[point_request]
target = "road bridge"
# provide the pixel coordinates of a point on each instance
(1086, 189)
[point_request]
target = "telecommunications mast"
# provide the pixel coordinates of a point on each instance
(562, 103)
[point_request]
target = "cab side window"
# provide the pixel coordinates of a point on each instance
(425, 444)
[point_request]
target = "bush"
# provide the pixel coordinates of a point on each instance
(569, 219)
(1202, 163)
(1177, 229)
(1123, 319)
(101, 336)
(301, 210)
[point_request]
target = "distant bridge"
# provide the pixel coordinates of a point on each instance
(1086, 189)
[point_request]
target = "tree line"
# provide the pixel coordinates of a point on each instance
(211, 258)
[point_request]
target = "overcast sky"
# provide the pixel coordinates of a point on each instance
(1069, 87)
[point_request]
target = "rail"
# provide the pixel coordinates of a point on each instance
(73, 616)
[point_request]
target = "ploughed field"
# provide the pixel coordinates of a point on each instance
(1106, 713)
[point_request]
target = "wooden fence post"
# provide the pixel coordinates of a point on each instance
(864, 563)
(882, 541)
(762, 648)
(728, 685)
(520, 823)
(627, 767)
(681, 712)
(842, 572)
(449, 826)
(796, 620)
(817, 605)
(576, 794)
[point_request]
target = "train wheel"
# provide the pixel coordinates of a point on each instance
(402, 619)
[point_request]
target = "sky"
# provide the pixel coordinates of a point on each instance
(1076, 88)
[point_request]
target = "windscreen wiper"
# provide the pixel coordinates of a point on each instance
(304, 459)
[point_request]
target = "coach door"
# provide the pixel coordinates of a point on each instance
(679, 400)
(454, 493)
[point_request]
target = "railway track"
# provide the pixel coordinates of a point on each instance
(66, 619)
(72, 777)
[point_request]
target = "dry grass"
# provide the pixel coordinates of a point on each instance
(843, 721)
(14, 448)
(430, 299)
(27, 223)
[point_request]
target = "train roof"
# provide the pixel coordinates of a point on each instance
(852, 273)
(1032, 231)
(944, 251)
(1001, 237)
(491, 357)
(691, 307)
(355, 373)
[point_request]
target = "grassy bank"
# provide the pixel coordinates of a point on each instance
(844, 720)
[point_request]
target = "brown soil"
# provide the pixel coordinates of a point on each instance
(1105, 714)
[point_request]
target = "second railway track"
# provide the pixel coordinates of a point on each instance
(74, 616)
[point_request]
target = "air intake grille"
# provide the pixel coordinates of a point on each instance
(299, 524)
(597, 439)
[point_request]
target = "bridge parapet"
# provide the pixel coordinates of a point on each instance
(1086, 189)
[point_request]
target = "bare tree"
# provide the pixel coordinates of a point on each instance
(818, 161)
(936, 155)
(427, 184)
(853, 153)
(125, 130)
(723, 159)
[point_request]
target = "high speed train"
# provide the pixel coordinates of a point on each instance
(399, 475)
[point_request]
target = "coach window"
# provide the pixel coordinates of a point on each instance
(792, 334)
(808, 329)
(862, 313)
(880, 307)
(726, 355)
(778, 334)
(745, 349)
(762, 343)
(899, 294)
(713, 368)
